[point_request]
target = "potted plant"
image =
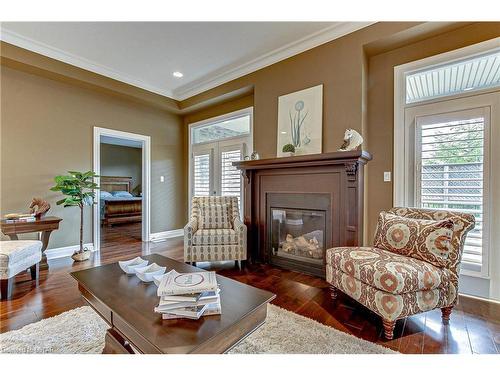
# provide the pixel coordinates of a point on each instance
(79, 190)
(288, 149)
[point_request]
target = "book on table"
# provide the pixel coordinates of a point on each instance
(188, 295)
(205, 298)
(175, 283)
(206, 310)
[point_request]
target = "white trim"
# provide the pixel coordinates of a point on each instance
(209, 81)
(161, 236)
(146, 180)
(66, 251)
(80, 62)
(229, 73)
(400, 138)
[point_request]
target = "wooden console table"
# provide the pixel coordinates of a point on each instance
(45, 226)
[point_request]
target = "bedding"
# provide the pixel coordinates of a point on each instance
(117, 204)
(121, 194)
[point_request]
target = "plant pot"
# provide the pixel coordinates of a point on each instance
(80, 257)
(289, 153)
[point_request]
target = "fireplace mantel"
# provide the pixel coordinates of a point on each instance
(329, 158)
(337, 175)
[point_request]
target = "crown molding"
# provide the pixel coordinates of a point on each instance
(205, 83)
(68, 58)
(229, 73)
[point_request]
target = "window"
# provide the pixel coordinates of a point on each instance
(230, 176)
(230, 128)
(450, 161)
(201, 175)
(447, 149)
(215, 145)
(470, 74)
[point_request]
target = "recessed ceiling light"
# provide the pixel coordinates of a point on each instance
(178, 74)
(283, 132)
(469, 88)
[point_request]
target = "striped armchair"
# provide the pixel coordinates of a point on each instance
(413, 266)
(215, 231)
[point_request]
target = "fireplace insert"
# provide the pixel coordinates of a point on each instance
(298, 232)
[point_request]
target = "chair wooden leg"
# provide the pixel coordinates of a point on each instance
(35, 271)
(6, 288)
(388, 328)
(333, 292)
(445, 314)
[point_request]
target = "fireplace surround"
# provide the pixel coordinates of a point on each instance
(297, 207)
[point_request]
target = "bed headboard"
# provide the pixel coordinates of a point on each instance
(116, 183)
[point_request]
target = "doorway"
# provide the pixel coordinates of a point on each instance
(121, 210)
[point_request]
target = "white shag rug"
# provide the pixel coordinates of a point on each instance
(283, 332)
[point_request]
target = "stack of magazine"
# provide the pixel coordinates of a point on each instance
(188, 295)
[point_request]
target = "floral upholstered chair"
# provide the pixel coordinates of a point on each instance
(413, 266)
(215, 231)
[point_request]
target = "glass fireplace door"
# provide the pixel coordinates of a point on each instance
(298, 234)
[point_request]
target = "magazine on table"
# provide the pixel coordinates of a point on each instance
(176, 283)
(210, 309)
(167, 304)
(192, 312)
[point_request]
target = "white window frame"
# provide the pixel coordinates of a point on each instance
(404, 149)
(212, 120)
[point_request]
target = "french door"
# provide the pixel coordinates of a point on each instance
(212, 171)
(451, 164)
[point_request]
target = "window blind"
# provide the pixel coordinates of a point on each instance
(201, 187)
(230, 176)
(450, 158)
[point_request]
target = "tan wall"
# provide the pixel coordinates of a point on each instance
(357, 90)
(46, 129)
(122, 161)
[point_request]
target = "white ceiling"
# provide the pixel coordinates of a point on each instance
(145, 54)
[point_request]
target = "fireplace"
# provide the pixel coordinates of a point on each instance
(297, 207)
(299, 230)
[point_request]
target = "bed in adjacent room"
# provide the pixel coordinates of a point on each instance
(117, 203)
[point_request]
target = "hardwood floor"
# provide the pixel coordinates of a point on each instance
(474, 324)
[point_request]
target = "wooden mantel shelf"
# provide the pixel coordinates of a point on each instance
(328, 158)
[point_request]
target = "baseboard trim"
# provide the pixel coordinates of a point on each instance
(66, 251)
(162, 236)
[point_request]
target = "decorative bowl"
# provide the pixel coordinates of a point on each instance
(129, 266)
(146, 273)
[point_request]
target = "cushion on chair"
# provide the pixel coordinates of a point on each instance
(390, 306)
(214, 216)
(215, 237)
(426, 240)
(16, 251)
(16, 256)
(387, 271)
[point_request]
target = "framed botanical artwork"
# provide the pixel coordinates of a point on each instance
(300, 121)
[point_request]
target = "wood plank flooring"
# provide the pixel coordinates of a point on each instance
(474, 325)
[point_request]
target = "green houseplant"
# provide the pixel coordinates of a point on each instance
(288, 149)
(78, 187)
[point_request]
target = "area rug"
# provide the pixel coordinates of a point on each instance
(81, 331)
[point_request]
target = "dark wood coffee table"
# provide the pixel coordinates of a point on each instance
(126, 304)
